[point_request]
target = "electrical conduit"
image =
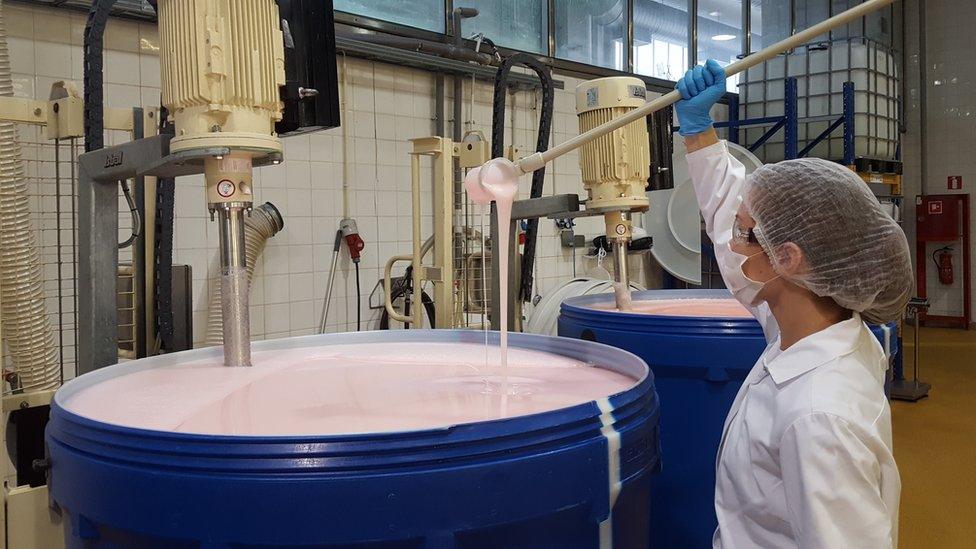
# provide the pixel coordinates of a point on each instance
(26, 325)
(264, 222)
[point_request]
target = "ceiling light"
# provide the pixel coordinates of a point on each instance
(723, 37)
(715, 13)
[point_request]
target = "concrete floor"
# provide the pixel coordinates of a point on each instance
(935, 444)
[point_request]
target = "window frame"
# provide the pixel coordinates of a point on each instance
(575, 68)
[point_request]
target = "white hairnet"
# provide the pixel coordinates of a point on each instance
(855, 252)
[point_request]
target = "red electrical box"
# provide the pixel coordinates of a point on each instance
(937, 218)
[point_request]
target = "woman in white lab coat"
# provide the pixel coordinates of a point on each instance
(806, 454)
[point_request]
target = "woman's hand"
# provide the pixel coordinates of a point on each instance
(700, 88)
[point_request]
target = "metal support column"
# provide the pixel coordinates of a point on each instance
(734, 119)
(848, 123)
(791, 129)
(556, 206)
(98, 263)
(139, 265)
(444, 192)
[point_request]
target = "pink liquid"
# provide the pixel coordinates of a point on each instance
(497, 181)
(685, 307)
(343, 389)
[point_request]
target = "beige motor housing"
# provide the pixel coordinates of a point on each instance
(222, 64)
(615, 166)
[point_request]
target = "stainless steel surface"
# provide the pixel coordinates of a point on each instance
(621, 275)
(233, 285)
(98, 259)
(231, 220)
(237, 326)
(323, 323)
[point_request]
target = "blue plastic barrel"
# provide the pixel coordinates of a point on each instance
(698, 365)
(544, 480)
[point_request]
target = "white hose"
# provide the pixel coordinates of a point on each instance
(26, 326)
(263, 223)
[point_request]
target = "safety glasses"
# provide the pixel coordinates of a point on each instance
(743, 235)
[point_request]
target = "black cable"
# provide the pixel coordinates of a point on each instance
(359, 302)
(94, 101)
(542, 144)
(134, 212)
(403, 287)
(94, 109)
(163, 263)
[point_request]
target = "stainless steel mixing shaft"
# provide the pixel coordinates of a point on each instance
(234, 291)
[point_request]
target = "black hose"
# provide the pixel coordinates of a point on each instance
(134, 212)
(403, 287)
(542, 144)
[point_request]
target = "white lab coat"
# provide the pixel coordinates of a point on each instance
(806, 454)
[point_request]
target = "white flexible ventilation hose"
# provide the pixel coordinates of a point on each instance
(264, 222)
(545, 317)
(26, 326)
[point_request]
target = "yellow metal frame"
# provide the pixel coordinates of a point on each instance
(440, 272)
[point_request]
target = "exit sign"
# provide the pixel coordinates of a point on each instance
(955, 182)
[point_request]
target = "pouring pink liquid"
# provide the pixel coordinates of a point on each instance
(497, 181)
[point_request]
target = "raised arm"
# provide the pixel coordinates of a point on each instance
(717, 176)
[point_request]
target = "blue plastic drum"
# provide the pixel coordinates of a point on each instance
(698, 365)
(574, 477)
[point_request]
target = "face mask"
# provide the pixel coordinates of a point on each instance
(745, 289)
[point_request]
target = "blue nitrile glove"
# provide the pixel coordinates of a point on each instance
(700, 88)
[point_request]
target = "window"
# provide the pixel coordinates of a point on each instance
(517, 24)
(423, 14)
(720, 34)
(661, 38)
(591, 31)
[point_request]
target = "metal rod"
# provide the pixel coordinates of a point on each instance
(57, 225)
(233, 285)
(538, 160)
(328, 291)
(621, 276)
(915, 350)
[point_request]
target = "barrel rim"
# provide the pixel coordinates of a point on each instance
(621, 361)
(585, 302)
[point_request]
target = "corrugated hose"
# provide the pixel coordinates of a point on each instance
(26, 325)
(264, 222)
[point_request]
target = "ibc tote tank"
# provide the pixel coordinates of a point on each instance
(549, 479)
(698, 364)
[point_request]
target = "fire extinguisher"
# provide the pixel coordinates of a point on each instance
(943, 261)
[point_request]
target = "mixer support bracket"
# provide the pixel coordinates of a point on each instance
(533, 208)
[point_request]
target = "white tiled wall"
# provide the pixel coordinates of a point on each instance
(387, 105)
(951, 110)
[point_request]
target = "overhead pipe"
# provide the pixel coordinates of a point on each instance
(26, 325)
(264, 222)
(450, 51)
